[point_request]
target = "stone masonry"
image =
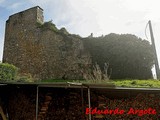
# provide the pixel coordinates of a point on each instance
(39, 48)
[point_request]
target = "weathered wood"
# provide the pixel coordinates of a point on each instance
(98, 116)
(2, 114)
(44, 107)
(48, 98)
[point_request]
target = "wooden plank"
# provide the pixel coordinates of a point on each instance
(2, 114)
(98, 116)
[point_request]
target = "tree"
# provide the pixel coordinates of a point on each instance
(129, 57)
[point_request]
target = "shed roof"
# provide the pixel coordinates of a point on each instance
(77, 85)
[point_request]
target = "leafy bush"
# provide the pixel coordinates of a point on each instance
(24, 77)
(96, 75)
(49, 26)
(64, 31)
(8, 72)
(129, 57)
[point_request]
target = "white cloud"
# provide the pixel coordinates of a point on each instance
(98, 16)
(136, 5)
(72, 14)
(41, 2)
(150, 7)
(1, 47)
(14, 5)
(2, 29)
(1, 1)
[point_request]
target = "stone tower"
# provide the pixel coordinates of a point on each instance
(39, 48)
(17, 26)
(20, 34)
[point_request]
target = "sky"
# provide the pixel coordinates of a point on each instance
(99, 17)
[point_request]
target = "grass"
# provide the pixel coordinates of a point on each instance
(78, 81)
(137, 83)
(56, 80)
(118, 83)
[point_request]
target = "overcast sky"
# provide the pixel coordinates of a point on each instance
(84, 17)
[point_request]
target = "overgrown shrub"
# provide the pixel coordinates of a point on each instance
(8, 72)
(24, 77)
(64, 31)
(49, 26)
(96, 75)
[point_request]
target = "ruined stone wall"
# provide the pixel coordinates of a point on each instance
(44, 51)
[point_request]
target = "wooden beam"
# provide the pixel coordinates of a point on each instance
(2, 114)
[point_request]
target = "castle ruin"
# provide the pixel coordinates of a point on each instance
(39, 48)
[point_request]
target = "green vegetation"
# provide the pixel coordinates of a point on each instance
(137, 83)
(129, 57)
(56, 80)
(118, 83)
(24, 77)
(48, 26)
(38, 24)
(96, 74)
(8, 72)
(64, 31)
(51, 26)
